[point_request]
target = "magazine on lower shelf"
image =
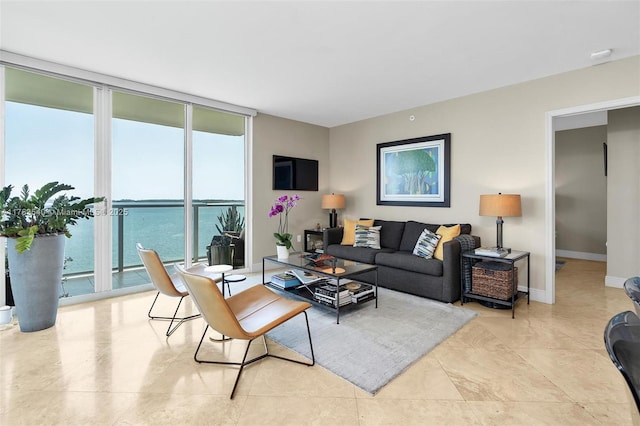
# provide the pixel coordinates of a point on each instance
(285, 280)
(328, 292)
(357, 288)
(306, 277)
(363, 297)
(349, 292)
(331, 301)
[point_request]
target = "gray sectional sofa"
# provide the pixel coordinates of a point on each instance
(398, 268)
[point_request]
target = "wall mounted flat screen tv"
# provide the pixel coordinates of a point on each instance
(290, 173)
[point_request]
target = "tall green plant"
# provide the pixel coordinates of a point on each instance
(43, 212)
(230, 221)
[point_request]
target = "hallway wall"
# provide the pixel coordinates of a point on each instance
(581, 193)
(623, 202)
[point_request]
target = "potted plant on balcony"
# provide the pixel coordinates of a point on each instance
(35, 226)
(230, 226)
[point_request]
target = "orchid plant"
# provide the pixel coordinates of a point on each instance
(281, 208)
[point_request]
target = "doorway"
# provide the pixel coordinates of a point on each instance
(552, 120)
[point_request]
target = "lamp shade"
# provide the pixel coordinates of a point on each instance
(333, 201)
(502, 205)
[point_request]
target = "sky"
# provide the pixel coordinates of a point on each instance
(46, 144)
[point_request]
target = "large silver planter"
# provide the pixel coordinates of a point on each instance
(36, 277)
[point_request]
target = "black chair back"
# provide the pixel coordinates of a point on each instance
(632, 287)
(622, 340)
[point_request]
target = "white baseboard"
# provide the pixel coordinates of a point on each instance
(581, 255)
(536, 295)
(615, 282)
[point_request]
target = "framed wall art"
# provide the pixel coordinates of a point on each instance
(414, 172)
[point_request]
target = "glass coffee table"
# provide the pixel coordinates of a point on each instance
(332, 269)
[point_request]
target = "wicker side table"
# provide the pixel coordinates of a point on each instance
(498, 285)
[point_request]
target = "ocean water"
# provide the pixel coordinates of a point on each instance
(156, 227)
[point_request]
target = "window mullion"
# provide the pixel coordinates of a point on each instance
(188, 184)
(102, 186)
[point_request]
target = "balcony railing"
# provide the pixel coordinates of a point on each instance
(158, 225)
(172, 218)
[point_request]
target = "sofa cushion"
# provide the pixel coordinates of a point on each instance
(426, 245)
(349, 232)
(448, 234)
(391, 233)
(409, 262)
(358, 254)
(367, 236)
(412, 231)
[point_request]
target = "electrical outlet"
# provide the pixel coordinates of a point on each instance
(299, 238)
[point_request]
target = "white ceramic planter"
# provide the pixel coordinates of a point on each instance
(5, 315)
(283, 252)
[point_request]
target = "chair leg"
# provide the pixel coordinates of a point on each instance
(313, 358)
(180, 320)
(257, 358)
(244, 358)
(152, 305)
(241, 364)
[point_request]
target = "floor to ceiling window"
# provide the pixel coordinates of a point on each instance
(147, 178)
(49, 136)
(155, 147)
(218, 187)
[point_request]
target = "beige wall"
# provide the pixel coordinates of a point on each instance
(274, 135)
(581, 191)
(498, 145)
(623, 186)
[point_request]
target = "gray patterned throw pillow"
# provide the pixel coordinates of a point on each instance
(367, 236)
(426, 244)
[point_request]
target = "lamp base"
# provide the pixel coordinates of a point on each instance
(502, 250)
(333, 219)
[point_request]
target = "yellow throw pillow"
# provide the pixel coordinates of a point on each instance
(349, 232)
(448, 234)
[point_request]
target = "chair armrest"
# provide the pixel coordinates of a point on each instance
(331, 236)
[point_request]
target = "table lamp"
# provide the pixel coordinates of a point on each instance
(333, 202)
(500, 205)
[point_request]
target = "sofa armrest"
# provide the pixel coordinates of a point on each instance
(331, 236)
(451, 268)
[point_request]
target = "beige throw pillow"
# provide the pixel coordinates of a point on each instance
(349, 232)
(448, 234)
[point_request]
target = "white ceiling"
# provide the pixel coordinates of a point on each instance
(327, 63)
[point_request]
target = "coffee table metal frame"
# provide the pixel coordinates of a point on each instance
(336, 268)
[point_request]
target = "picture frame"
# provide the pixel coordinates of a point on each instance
(414, 172)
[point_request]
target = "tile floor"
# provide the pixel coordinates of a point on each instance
(104, 363)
